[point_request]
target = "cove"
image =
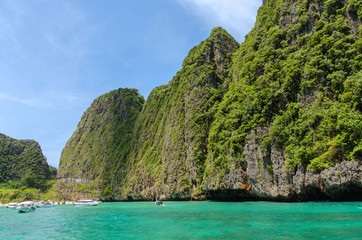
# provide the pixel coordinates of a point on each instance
(188, 220)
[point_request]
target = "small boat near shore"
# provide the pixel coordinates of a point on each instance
(25, 207)
(45, 205)
(12, 205)
(87, 202)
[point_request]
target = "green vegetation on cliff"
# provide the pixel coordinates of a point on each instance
(172, 130)
(293, 89)
(97, 152)
(21, 159)
(298, 73)
(24, 171)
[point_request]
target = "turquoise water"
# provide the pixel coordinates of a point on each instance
(187, 220)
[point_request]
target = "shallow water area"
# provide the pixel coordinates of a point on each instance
(187, 220)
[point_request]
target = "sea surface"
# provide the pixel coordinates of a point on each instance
(187, 220)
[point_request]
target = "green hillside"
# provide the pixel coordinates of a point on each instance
(22, 158)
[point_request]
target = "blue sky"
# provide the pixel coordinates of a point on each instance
(56, 57)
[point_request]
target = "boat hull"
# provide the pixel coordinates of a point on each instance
(26, 209)
(44, 206)
(12, 205)
(85, 203)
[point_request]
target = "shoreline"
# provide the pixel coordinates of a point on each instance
(54, 203)
(321, 201)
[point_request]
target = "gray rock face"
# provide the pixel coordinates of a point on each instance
(265, 178)
(342, 182)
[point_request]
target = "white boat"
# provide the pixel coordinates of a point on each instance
(86, 203)
(45, 205)
(25, 207)
(12, 205)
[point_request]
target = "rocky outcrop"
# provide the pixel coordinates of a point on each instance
(263, 176)
(339, 183)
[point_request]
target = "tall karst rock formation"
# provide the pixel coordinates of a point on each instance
(93, 160)
(171, 136)
(290, 126)
(277, 117)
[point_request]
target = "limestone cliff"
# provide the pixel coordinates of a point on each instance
(93, 160)
(277, 117)
(296, 121)
(172, 130)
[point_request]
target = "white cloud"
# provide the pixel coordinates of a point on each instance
(25, 101)
(236, 16)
